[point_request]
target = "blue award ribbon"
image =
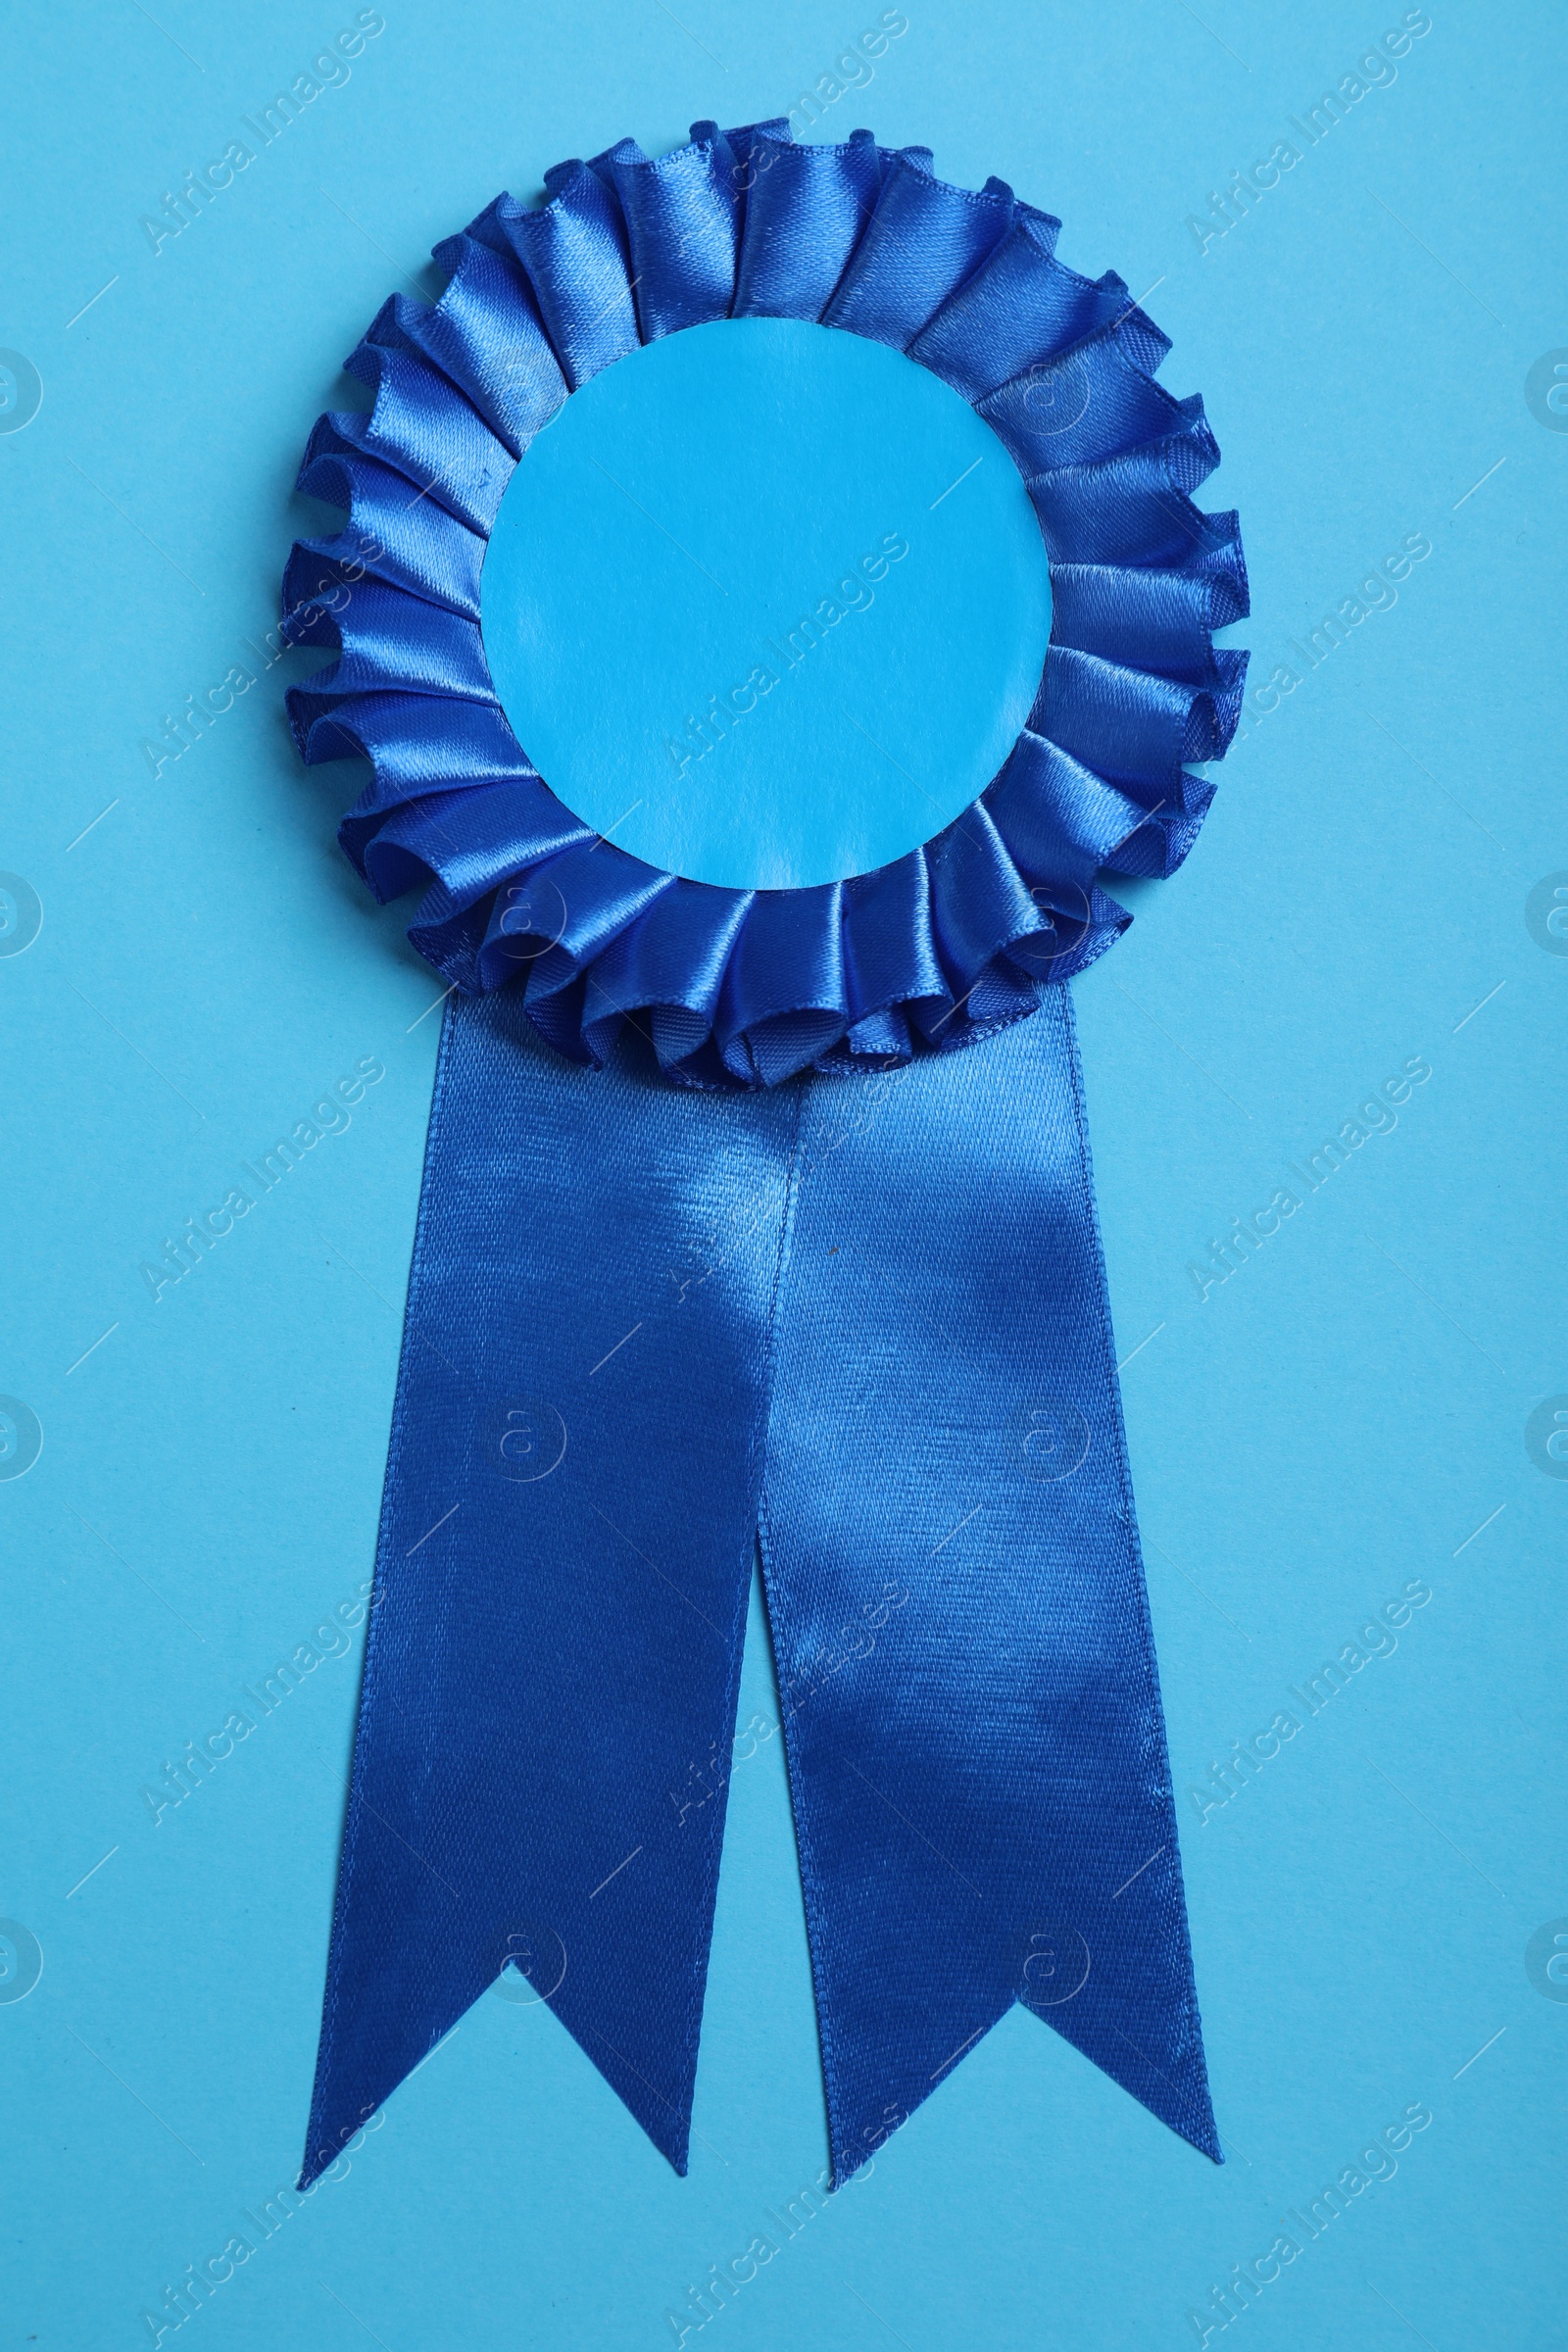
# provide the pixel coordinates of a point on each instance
(681, 1291)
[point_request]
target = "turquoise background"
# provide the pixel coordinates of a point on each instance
(1344, 1415)
(852, 549)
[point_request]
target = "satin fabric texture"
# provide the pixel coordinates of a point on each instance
(741, 988)
(862, 1324)
(724, 1254)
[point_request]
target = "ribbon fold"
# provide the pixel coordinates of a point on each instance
(736, 988)
(868, 1325)
(668, 1314)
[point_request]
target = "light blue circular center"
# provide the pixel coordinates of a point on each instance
(766, 605)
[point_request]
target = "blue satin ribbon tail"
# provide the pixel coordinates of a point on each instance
(971, 1704)
(643, 1323)
(566, 1544)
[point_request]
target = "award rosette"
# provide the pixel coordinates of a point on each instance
(757, 1217)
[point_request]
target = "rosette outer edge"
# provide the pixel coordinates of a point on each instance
(737, 988)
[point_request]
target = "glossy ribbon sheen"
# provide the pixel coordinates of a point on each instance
(653, 1325)
(739, 987)
(871, 1322)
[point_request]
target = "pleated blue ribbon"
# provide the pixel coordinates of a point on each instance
(665, 1309)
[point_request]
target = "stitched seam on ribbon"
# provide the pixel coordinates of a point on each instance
(369, 1680)
(1155, 1745)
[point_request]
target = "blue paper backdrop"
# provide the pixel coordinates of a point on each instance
(1348, 1413)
